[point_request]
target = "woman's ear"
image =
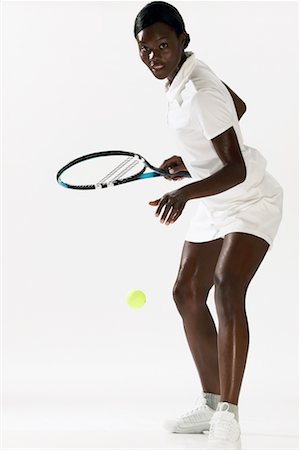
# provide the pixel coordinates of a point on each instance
(183, 37)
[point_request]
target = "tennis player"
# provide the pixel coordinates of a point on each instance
(237, 217)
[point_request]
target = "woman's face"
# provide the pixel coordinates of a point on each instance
(161, 50)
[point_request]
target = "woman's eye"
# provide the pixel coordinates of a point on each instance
(144, 50)
(163, 45)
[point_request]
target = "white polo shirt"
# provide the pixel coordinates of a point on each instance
(200, 108)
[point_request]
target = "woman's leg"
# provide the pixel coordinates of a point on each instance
(239, 259)
(195, 279)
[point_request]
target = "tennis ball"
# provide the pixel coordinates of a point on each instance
(136, 299)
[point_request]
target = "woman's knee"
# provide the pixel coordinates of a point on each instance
(181, 292)
(230, 291)
(189, 295)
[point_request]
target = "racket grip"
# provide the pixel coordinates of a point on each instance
(184, 174)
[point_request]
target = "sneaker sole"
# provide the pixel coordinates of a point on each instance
(188, 430)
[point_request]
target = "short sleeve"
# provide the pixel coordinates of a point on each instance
(211, 110)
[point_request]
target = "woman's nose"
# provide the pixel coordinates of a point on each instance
(153, 55)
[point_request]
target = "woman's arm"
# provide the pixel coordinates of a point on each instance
(233, 173)
(240, 106)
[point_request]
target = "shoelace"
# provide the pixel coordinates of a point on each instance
(221, 426)
(199, 406)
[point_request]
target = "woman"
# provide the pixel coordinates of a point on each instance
(237, 218)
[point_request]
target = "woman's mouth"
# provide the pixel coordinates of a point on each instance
(157, 68)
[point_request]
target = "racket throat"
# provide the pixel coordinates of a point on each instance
(118, 172)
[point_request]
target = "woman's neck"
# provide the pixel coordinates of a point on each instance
(183, 59)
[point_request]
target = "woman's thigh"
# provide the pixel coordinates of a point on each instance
(197, 265)
(239, 259)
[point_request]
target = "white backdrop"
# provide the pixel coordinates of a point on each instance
(73, 84)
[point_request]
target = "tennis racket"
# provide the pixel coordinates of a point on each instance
(108, 168)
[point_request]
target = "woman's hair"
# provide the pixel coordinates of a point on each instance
(160, 12)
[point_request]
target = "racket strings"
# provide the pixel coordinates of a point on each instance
(115, 174)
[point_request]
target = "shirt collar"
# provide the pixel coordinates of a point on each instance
(181, 77)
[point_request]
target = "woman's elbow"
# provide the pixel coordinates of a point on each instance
(243, 110)
(239, 172)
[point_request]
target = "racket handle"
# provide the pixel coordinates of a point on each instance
(163, 173)
(183, 174)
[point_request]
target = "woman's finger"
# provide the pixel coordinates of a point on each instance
(154, 202)
(162, 203)
(170, 162)
(167, 209)
(173, 216)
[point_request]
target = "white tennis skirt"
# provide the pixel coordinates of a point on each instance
(256, 211)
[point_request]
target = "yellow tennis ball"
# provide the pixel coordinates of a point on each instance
(136, 299)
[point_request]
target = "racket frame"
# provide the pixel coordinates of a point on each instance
(103, 183)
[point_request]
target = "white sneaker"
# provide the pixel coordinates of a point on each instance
(195, 421)
(224, 432)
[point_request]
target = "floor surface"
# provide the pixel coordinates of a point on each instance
(132, 440)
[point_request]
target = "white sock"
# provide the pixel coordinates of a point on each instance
(212, 400)
(230, 407)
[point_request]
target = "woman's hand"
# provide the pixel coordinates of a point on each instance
(173, 165)
(171, 205)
